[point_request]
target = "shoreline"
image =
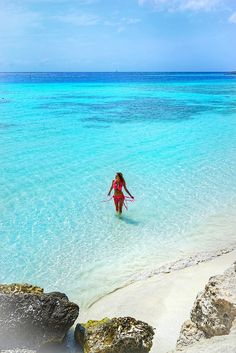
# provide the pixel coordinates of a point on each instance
(163, 297)
(168, 267)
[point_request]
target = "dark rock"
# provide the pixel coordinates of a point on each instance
(117, 335)
(30, 318)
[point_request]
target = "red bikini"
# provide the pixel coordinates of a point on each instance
(118, 186)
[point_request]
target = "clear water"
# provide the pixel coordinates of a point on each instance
(63, 138)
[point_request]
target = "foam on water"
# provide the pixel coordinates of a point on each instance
(62, 140)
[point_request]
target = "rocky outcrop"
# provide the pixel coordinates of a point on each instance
(217, 344)
(213, 313)
(30, 318)
(189, 334)
(117, 335)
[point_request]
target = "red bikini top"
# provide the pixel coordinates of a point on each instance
(117, 186)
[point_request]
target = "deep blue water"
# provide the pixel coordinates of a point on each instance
(106, 77)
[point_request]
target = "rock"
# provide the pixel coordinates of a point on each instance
(117, 335)
(217, 344)
(19, 287)
(214, 310)
(30, 318)
(189, 334)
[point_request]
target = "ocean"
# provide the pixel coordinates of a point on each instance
(63, 138)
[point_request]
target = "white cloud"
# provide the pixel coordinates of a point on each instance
(14, 20)
(182, 5)
(198, 5)
(78, 20)
(92, 20)
(122, 23)
(232, 18)
(130, 20)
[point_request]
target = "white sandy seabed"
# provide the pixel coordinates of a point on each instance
(163, 297)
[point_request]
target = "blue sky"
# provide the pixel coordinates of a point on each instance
(123, 35)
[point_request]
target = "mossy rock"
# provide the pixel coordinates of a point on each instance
(95, 323)
(20, 287)
(117, 335)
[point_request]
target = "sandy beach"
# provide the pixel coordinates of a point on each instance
(163, 300)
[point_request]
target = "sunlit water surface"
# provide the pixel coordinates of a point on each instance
(63, 138)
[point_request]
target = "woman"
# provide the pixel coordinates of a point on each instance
(119, 197)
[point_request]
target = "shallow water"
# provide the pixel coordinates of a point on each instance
(63, 138)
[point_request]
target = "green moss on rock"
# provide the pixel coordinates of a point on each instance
(95, 323)
(20, 287)
(117, 335)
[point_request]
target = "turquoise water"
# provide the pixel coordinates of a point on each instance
(63, 138)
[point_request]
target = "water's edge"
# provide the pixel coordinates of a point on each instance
(189, 261)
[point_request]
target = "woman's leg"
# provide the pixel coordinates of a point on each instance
(116, 201)
(120, 205)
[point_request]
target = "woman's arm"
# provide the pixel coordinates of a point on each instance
(127, 191)
(110, 188)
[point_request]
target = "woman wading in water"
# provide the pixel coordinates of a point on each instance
(119, 197)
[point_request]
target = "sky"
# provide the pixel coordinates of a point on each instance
(117, 35)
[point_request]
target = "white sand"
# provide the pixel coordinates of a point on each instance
(164, 301)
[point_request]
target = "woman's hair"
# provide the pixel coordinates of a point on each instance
(120, 175)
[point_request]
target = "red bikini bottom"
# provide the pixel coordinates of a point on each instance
(123, 197)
